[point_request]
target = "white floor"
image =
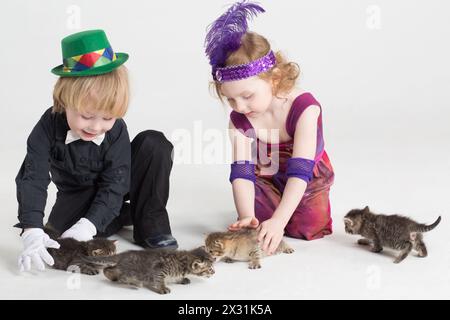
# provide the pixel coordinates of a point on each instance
(334, 267)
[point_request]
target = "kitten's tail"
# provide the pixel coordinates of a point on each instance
(425, 228)
(102, 262)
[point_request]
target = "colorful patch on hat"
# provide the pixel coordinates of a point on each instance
(89, 60)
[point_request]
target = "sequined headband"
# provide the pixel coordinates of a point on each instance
(244, 71)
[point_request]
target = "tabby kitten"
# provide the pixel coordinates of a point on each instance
(153, 268)
(239, 245)
(393, 231)
(70, 254)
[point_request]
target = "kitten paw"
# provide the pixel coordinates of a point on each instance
(422, 254)
(185, 281)
(91, 272)
(364, 242)
(254, 265)
(400, 258)
(86, 270)
(376, 249)
(111, 273)
(163, 290)
(227, 260)
(288, 250)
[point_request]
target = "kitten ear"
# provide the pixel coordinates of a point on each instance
(366, 209)
(349, 221)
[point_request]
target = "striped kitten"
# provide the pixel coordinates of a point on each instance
(152, 269)
(393, 231)
(239, 245)
(70, 254)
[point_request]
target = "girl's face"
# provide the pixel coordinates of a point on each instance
(89, 124)
(251, 96)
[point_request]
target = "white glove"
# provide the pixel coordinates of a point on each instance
(83, 230)
(35, 242)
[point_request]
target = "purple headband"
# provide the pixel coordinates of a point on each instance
(224, 37)
(244, 71)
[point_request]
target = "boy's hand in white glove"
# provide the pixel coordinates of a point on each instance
(35, 242)
(83, 230)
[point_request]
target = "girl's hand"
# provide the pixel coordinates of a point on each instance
(270, 234)
(244, 222)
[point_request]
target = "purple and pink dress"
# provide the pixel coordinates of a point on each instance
(312, 218)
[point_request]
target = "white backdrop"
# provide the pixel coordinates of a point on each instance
(379, 68)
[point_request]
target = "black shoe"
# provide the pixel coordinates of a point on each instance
(164, 241)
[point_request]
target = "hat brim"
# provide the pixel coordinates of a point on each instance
(120, 59)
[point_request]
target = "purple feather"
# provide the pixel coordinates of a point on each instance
(225, 33)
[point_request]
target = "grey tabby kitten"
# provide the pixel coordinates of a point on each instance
(239, 245)
(70, 254)
(152, 269)
(393, 231)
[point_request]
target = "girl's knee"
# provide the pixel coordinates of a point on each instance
(309, 226)
(151, 140)
(307, 234)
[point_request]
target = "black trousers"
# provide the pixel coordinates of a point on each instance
(151, 164)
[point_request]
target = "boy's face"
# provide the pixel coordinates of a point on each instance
(251, 96)
(89, 124)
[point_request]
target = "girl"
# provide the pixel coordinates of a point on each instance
(82, 145)
(280, 181)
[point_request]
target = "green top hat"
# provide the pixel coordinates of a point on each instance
(88, 53)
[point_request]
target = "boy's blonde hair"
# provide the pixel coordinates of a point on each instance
(108, 93)
(254, 46)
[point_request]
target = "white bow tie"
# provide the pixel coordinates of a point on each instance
(72, 136)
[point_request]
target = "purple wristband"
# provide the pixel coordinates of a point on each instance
(300, 168)
(243, 170)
